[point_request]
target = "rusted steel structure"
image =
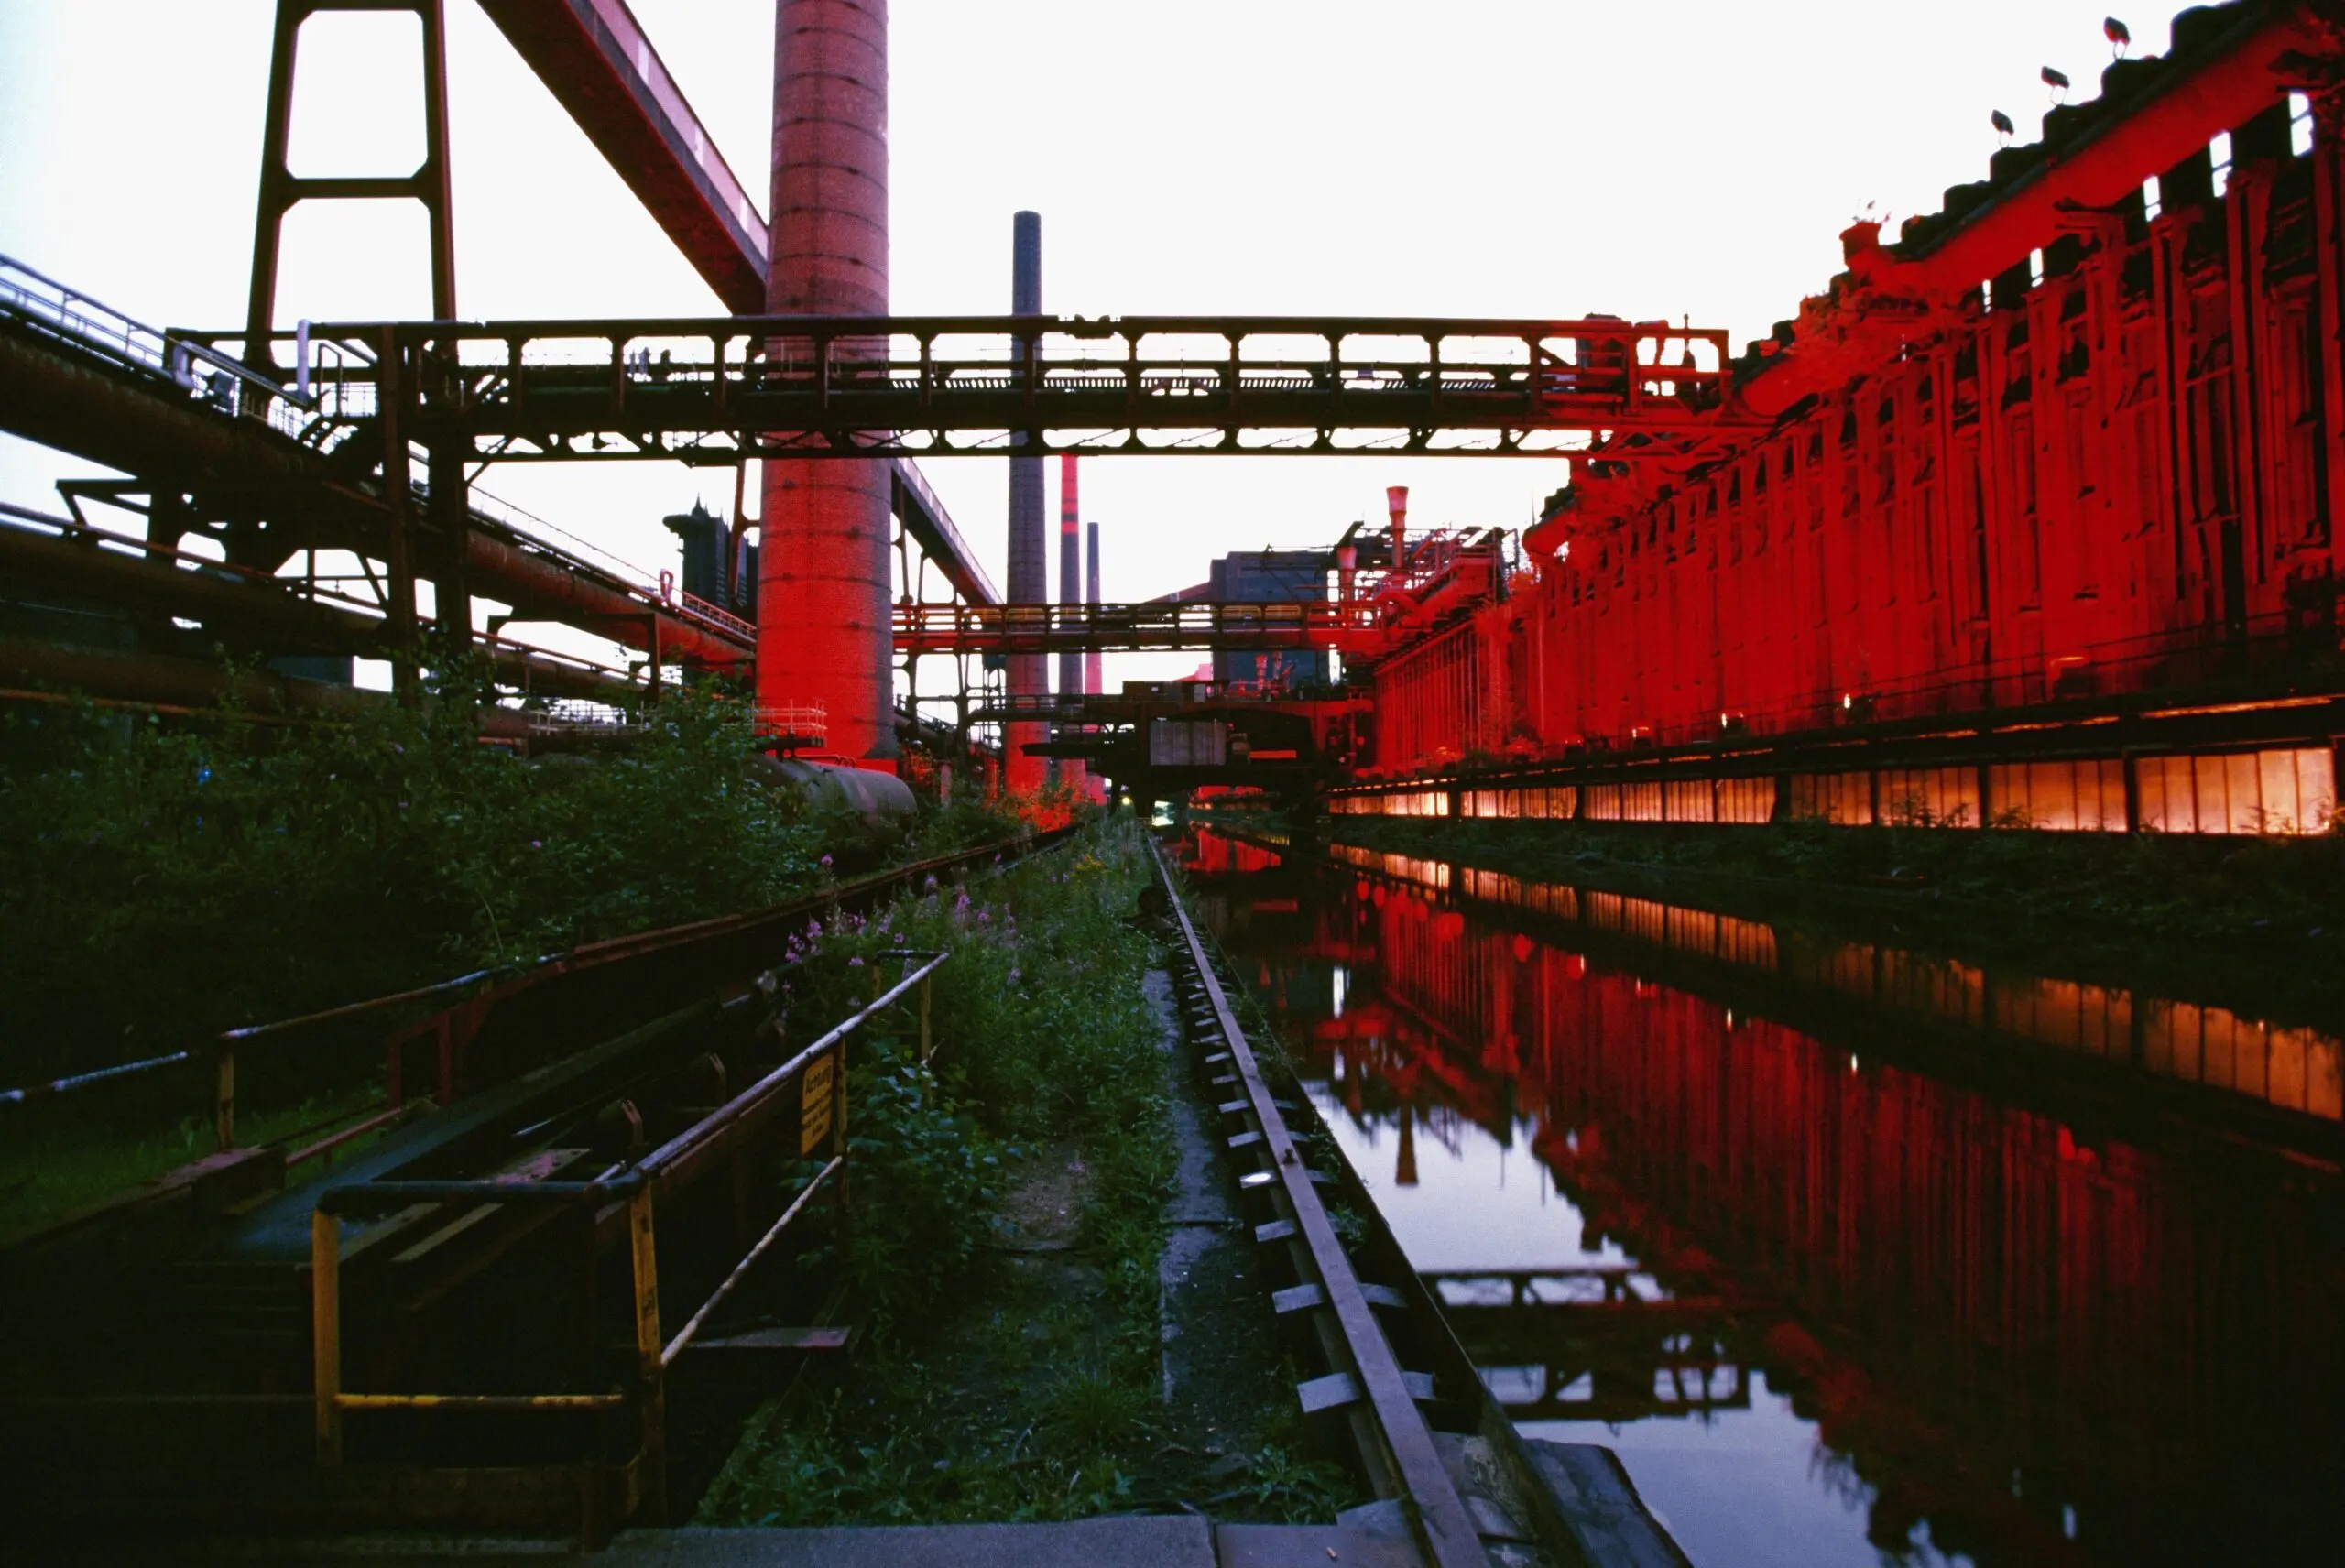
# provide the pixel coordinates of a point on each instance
(336, 1335)
(854, 385)
(824, 582)
(2070, 441)
(2075, 436)
(594, 56)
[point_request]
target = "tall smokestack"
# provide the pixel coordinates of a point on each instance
(823, 590)
(1092, 683)
(1396, 498)
(1070, 562)
(1029, 673)
(1072, 770)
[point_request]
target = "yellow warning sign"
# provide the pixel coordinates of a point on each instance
(815, 1104)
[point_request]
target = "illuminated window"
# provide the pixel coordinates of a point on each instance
(2059, 797)
(2299, 123)
(2151, 205)
(2291, 791)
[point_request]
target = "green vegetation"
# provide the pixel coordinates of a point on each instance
(159, 883)
(1007, 1222)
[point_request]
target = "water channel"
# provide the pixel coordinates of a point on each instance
(1855, 1253)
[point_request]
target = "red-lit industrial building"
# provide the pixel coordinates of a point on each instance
(2070, 446)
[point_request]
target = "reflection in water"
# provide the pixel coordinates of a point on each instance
(1832, 1295)
(2297, 1069)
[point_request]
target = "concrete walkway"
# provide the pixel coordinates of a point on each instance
(1181, 1541)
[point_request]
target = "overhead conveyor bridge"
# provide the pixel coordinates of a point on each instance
(714, 390)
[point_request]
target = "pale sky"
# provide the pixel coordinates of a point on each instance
(1480, 158)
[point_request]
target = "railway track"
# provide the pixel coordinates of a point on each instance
(1457, 1485)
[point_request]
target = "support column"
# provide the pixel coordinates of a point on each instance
(394, 391)
(1029, 673)
(824, 632)
(450, 562)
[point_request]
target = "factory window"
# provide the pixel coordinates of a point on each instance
(2300, 123)
(2218, 153)
(1930, 797)
(1688, 800)
(1746, 799)
(2059, 797)
(2292, 792)
(1624, 803)
(1844, 799)
(2151, 205)
(1501, 803)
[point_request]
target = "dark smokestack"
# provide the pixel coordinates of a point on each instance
(1091, 676)
(1069, 562)
(1072, 771)
(1029, 673)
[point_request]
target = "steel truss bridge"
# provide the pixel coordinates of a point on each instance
(714, 390)
(1357, 630)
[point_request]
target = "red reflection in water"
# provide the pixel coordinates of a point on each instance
(1991, 1313)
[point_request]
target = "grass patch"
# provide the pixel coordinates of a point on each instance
(59, 1167)
(1013, 1370)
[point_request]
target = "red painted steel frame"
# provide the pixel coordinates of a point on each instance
(2116, 469)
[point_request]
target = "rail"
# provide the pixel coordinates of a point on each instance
(467, 1002)
(713, 390)
(64, 311)
(1400, 1436)
(817, 1074)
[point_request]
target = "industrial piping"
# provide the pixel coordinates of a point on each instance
(823, 614)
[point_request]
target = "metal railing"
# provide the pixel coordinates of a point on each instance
(817, 1074)
(319, 399)
(192, 363)
(465, 1004)
(806, 723)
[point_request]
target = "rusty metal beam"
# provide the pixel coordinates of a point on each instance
(595, 59)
